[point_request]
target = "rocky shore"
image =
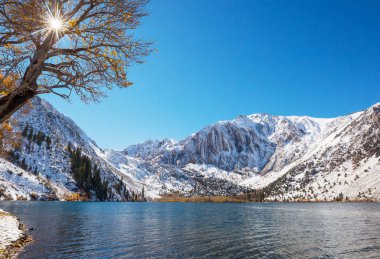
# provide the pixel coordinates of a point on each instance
(13, 236)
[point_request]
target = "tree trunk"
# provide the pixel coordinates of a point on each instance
(28, 85)
(14, 101)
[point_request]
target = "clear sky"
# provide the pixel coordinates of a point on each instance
(218, 59)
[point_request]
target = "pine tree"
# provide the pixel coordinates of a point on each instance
(39, 138)
(69, 148)
(30, 136)
(87, 176)
(23, 164)
(126, 194)
(133, 196)
(48, 142)
(25, 131)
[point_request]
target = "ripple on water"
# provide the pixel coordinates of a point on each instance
(140, 230)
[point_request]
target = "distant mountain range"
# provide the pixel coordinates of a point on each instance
(289, 157)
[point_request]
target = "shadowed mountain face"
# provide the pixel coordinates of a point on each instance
(290, 156)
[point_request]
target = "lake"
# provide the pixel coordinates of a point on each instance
(205, 230)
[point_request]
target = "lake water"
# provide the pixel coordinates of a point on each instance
(206, 230)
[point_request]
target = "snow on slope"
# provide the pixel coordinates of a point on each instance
(317, 132)
(18, 184)
(345, 161)
(254, 151)
(296, 154)
(158, 179)
(149, 148)
(52, 162)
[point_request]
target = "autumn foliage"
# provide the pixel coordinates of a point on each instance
(7, 84)
(64, 47)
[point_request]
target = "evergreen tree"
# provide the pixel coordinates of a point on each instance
(25, 131)
(133, 196)
(126, 194)
(23, 164)
(87, 176)
(30, 135)
(69, 148)
(39, 138)
(48, 142)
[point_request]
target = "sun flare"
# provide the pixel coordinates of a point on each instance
(55, 24)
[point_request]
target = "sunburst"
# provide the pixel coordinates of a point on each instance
(55, 22)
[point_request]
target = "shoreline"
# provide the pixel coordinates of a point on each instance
(239, 199)
(13, 235)
(207, 199)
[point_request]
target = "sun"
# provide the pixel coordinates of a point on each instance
(55, 24)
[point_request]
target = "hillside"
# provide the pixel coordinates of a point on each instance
(285, 157)
(41, 156)
(290, 157)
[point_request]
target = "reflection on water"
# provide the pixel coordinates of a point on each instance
(140, 230)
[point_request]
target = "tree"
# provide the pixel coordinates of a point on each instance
(87, 176)
(48, 142)
(30, 136)
(23, 164)
(61, 46)
(126, 194)
(40, 137)
(69, 148)
(25, 130)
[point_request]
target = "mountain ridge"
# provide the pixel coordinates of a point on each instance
(296, 131)
(228, 157)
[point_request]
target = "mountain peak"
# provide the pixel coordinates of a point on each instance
(224, 158)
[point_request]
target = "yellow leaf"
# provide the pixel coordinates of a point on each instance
(72, 23)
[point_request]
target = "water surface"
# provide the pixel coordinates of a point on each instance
(206, 230)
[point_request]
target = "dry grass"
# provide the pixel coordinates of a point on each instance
(76, 197)
(3, 214)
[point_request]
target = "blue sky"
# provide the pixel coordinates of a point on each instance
(219, 59)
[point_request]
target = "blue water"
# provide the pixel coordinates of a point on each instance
(202, 230)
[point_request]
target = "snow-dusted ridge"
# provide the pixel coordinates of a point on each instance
(254, 151)
(296, 154)
(49, 164)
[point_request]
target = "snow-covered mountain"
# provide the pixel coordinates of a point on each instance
(344, 161)
(288, 157)
(43, 158)
(259, 150)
